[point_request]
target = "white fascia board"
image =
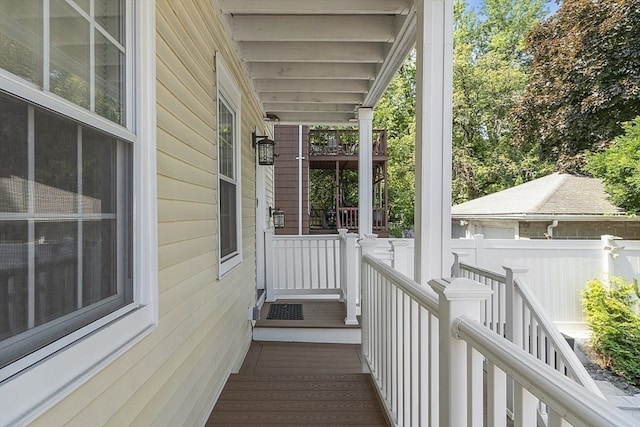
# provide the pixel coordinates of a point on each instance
(405, 41)
(319, 7)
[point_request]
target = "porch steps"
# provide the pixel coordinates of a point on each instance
(299, 384)
(323, 323)
(315, 399)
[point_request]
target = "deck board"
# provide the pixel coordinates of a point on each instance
(299, 384)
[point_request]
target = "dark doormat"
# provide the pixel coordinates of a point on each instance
(285, 312)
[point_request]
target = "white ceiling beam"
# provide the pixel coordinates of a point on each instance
(310, 107)
(313, 28)
(316, 97)
(299, 70)
(321, 7)
(313, 52)
(297, 85)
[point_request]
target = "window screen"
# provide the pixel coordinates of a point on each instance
(65, 219)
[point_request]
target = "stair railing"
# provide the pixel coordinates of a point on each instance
(427, 349)
(513, 312)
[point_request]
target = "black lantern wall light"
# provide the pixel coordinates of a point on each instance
(264, 147)
(278, 217)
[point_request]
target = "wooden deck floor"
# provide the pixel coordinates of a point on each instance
(299, 384)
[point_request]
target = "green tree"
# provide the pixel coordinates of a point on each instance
(490, 72)
(396, 113)
(396, 109)
(491, 68)
(585, 80)
(322, 189)
(619, 168)
(402, 178)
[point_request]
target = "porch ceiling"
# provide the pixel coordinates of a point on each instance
(318, 61)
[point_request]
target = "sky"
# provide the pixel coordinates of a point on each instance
(551, 5)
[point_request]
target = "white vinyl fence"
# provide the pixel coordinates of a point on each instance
(557, 270)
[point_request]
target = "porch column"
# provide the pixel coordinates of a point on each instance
(434, 79)
(365, 171)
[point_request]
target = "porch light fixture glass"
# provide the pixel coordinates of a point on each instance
(264, 145)
(278, 217)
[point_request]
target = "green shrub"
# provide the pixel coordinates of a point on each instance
(615, 325)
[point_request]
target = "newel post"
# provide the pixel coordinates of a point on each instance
(400, 261)
(268, 265)
(459, 297)
(342, 243)
(348, 265)
(455, 268)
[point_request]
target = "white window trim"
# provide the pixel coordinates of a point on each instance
(43, 383)
(228, 87)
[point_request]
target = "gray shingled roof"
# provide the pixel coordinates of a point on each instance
(555, 194)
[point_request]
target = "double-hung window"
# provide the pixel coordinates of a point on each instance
(229, 191)
(72, 157)
(65, 219)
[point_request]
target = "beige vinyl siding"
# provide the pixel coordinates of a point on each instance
(173, 376)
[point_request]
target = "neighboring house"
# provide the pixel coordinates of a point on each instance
(557, 206)
(334, 153)
(136, 314)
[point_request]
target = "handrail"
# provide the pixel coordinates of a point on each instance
(568, 358)
(575, 368)
(575, 403)
(483, 272)
(424, 296)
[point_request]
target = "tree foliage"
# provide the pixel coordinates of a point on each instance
(396, 113)
(491, 69)
(619, 168)
(585, 79)
(490, 72)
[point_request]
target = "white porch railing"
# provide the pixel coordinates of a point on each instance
(302, 265)
(426, 354)
(314, 265)
(513, 312)
(568, 403)
(400, 341)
